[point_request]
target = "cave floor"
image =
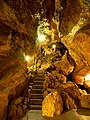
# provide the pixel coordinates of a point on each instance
(80, 114)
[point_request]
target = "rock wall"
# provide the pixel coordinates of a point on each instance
(13, 78)
(79, 50)
(59, 78)
(17, 37)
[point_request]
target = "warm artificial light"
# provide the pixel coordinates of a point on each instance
(41, 37)
(87, 77)
(27, 58)
(53, 46)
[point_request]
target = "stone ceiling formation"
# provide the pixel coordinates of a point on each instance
(63, 23)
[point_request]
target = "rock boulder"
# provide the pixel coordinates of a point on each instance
(52, 105)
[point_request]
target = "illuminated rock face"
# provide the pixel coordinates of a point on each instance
(80, 51)
(3, 105)
(13, 82)
(68, 102)
(13, 79)
(72, 90)
(70, 14)
(85, 101)
(52, 105)
(66, 67)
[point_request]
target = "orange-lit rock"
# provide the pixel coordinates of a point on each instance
(87, 85)
(72, 89)
(68, 102)
(65, 66)
(80, 51)
(3, 105)
(60, 77)
(83, 92)
(45, 93)
(85, 101)
(52, 105)
(79, 79)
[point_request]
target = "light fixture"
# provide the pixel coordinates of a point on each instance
(41, 37)
(27, 58)
(53, 46)
(87, 77)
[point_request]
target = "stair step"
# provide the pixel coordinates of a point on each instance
(38, 82)
(35, 107)
(36, 96)
(37, 91)
(39, 76)
(38, 79)
(37, 87)
(35, 101)
(31, 83)
(40, 72)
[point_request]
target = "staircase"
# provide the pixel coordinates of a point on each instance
(37, 92)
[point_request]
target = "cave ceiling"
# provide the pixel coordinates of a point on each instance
(22, 16)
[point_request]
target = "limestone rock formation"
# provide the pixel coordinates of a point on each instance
(13, 78)
(65, 66)
(79, 50)
(87, 85)
(61, 77)
(3, 105)
(85, 101)
(67, 21)
(79, 80)
(52, 105)
(72, 89)
(68, 102)
(7, 16)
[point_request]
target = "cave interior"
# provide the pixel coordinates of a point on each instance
(52, 36)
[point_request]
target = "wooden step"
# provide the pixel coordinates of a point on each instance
(31, 83)
(36, 91)
(38, 82)
(37, 87)
(38, 79)
(36, 96)
(35, 107)
(39, 76)
(35, 101)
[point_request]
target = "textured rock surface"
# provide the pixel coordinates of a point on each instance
(3, 105)
(13, 78)
(52, 105)
(66, 67)
(72, 89)
(79, 79)
(79, 51)
(69, 7)
(85, 101)
(68, 102)
(12, 84)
